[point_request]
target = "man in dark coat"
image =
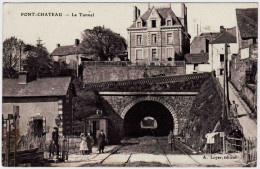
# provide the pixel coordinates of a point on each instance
(55, 139)
(101, 142)
(171, 140)
(236, 133)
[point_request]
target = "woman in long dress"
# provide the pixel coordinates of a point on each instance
(83, 145)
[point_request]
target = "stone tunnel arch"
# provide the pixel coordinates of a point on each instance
(158, 100)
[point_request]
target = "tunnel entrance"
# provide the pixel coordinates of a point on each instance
(151, 109)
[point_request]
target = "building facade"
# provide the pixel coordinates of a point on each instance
(197, 63)
(158, 35)
(40, 102)
(217, 50)
(71, 54)
(243, 66)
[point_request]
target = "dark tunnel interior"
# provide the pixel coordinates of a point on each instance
(133, 118)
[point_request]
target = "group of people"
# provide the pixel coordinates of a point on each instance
(54, 147)
(87, 143)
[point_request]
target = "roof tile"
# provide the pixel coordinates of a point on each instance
(197, 58)
(50, 86)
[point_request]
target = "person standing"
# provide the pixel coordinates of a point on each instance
(90, 142)
(210, 140)
(51, 149)
(233, 109)
(83, 145)
(55, 139)
(236, 133)
(171, 140)
(64, 149)
(101, 142)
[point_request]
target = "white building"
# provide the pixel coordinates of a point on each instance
(197, 63)
(217, 51)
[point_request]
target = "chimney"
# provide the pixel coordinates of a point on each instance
(222, 29)
(149, 6)
(135, 14)
(76, 42)
(184, 16)
(138, 13)
(58, 45)
(185, 19)
(22, 79)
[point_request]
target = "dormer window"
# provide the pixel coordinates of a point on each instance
(139, 24)
(169, 22)
(153, 23)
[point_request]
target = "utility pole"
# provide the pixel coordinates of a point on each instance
(211, 39)
(77, 65)
(225, 85)
(20, 58)
(226, 69)
(16, 115)
(197, 30)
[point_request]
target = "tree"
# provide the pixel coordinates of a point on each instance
(12, 51)
(102, 43)
(38, 62)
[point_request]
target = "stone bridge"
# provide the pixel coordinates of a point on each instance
(168, 100)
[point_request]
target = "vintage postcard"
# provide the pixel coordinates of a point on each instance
(129, 84)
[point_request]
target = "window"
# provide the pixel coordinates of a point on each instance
(154, 39)
(153, 23)
(138, 24)
(221, 71)
(207, 46)
(195, 66)
(170, 53)
(62, 58)
(169, 22)
(139, 55)
(221, 58)
(139, 39)
(154, 54)
(169, 38)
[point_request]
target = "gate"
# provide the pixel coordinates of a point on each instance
(247, 148)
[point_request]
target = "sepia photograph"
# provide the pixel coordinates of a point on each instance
(129, 84)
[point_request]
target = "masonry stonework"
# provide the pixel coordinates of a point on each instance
(96, 74)
(118, 106)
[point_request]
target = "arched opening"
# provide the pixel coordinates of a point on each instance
(152, 109)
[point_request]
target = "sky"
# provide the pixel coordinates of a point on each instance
(116, 16)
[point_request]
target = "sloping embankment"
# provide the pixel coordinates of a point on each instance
(205, 112)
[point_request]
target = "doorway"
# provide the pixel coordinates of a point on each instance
(94, 132)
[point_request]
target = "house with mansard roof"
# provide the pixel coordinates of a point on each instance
(158, 35)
